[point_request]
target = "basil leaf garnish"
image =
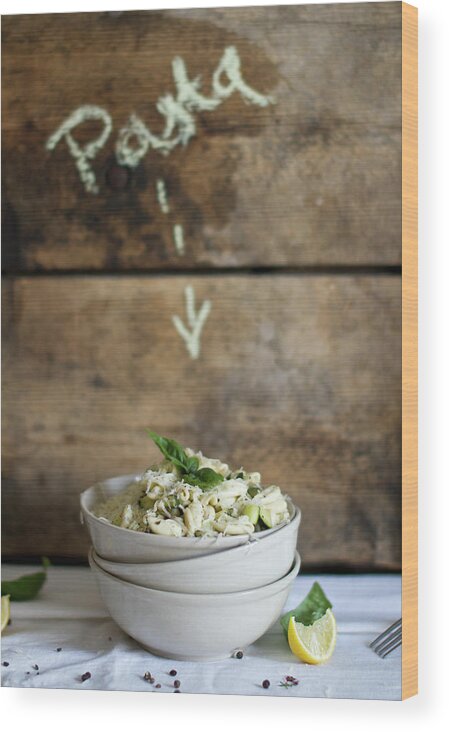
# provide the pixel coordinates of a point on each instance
(192, 464)
(312, 608)
(205, 478)
(172, 450)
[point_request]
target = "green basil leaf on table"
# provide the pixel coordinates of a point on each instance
(312, 608)
(27, 586)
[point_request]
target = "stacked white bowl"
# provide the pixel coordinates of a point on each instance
(190, 598)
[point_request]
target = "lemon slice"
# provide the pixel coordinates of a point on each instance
(313, 643)
(5, 611)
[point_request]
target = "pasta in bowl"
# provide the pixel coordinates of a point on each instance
(186, 506)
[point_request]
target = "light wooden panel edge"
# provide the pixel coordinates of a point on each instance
(409, 351)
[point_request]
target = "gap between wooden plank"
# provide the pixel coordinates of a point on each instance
(304, 270)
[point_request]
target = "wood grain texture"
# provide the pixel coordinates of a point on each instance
(410, 351)
(314, 179)
(299, 376)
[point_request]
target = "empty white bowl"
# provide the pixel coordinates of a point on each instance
(193, 627)
(124, 545)
(254, 564)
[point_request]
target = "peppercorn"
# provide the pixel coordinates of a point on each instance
(266, 684)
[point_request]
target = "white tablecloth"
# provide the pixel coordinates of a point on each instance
(69, 614)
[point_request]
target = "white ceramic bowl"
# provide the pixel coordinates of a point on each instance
(193, 627)
(254, 564)
(123, 545)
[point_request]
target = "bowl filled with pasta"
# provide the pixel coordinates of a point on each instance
(186, 506)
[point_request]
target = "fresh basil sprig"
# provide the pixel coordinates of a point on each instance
(188, 467)
(27, 586)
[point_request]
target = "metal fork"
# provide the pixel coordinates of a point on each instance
(387, 641)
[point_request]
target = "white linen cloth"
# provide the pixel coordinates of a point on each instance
(69, 614)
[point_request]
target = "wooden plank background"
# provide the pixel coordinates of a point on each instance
(314, 178)
(291, 216)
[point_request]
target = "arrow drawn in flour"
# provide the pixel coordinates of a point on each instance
(178, 231)
(192, 335)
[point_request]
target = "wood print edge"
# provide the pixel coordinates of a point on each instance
(409, 351)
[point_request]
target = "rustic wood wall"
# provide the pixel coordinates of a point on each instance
(285, 217)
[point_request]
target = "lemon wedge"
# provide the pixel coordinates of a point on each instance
(313, 643)
(5, 611)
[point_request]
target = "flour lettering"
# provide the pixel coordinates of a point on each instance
(135, 138)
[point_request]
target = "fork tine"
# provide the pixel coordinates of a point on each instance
(391, 648)
(386, 638)
(386, 633)
(380, 649)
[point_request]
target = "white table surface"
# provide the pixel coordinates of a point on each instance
(70, 615)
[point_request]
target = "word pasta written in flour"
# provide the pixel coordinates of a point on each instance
(135, 138)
